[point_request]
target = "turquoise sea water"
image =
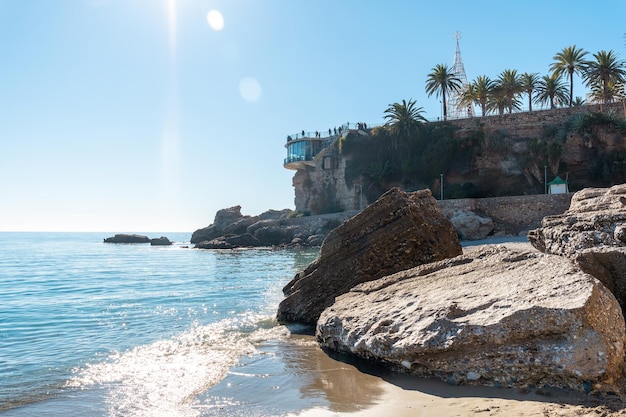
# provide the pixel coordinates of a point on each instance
(94, 329)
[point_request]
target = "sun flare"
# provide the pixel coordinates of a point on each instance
(216, 20)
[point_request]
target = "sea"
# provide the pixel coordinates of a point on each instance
(97, 329)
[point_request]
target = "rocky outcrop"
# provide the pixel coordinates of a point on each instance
(127, 238)
(592, 232)
(596, 217)
(496, 316)
(273, 228)
(230, 221)
(471, 226)
(398, 231)
(160, 241)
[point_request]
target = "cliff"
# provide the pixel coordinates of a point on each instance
(492, 156)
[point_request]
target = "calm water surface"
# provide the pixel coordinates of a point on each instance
(94, 329)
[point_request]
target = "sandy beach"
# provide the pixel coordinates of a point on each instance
(369, 393)
(354, 391)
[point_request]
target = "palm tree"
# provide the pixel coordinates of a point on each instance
(482, 87)
(605, 71)
(578, 101)
(509, 83)
(442, 82)
(497, 99)
(529, 83)
(403, 120)
(550, 89)
(569, 61)
(467, 97)
(613, 91)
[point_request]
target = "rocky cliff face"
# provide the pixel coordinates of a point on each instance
(508, 163)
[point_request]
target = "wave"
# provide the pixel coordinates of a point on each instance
(165, 377)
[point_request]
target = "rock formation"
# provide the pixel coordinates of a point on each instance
(592, 232)
(471, 226)
(127, 238)
(497, 316)
(272, 228)
(398, 231)
(596, 217)
(160, 241)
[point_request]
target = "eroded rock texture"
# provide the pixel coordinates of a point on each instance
(493, 316)
(592, 232)
(398, 231)
(596, 217)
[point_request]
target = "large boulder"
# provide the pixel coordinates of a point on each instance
(496, 316)
(398, 231)
(596, 217)
(592, 232)
(471, 226)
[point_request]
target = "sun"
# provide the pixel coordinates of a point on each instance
(216, 20)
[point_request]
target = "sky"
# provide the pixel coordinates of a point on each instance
(151, 115)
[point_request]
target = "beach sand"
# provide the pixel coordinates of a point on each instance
(355, 390)
(385, 393)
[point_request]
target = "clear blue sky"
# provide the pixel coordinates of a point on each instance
(138, 115)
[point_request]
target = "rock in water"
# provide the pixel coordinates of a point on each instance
(126, 238)
(398, 231)
(160, 241)
(499, 317)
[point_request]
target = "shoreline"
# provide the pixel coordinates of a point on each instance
(382, 392)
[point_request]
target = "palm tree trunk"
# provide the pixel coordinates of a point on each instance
(445, 107)
(571, 87)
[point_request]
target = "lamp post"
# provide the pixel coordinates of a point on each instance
(545, 179)
(441, 186)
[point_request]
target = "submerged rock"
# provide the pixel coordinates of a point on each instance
(398, 231)
(496, 316)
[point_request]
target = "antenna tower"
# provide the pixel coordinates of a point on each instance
(458, 111)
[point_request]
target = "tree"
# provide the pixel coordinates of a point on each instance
(442, 82)
(482, 87)
(613, 91)
(569, 61)
(510, 87)
(467, 97)
(529, 83)
(404, 119)
(497, 100)
(551, 89)
(604, 73)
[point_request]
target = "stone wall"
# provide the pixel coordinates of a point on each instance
(528, 124)
(511, 215)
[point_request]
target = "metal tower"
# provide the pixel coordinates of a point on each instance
(456, 110)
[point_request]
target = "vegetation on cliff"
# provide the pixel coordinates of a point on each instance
(412, 154)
